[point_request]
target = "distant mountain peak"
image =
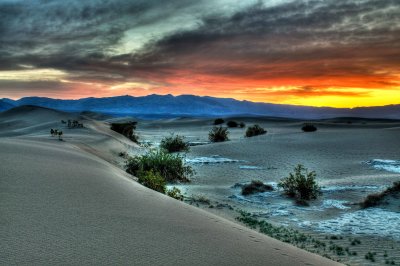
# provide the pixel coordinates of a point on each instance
(192, 105)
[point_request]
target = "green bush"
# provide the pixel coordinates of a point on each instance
(309, 128)
(170, 166)
(218, 134)
(219, 121)
(175, 193)
(174, 144)
(232, 124)
(301, 184)
(242, 125)
(127, 129)
(152, 180)
(255, 131)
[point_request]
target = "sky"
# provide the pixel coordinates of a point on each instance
(312, 52)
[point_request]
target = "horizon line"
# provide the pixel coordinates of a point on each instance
(201, 96)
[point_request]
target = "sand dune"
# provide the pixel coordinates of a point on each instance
(62, 205)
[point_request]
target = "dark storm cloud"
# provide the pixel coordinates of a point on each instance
(299, 39)
(69, 34)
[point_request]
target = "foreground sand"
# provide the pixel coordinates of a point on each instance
(62, 205)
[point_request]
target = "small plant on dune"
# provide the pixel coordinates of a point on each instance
(309, 128)
(255, 186)
(170, 166)
(127, 129)
(255, 131)
(60, 133)
(242, 125)
(174, 144)
(301, 184)
(152, 180)
(175, 193)
(218, 134)
(377, 198)
(232, 124)
(219, 121)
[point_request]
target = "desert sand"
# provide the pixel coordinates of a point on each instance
(67, 202)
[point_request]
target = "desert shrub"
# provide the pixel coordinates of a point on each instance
(255, 131)
(175, 193)
(123, 154)
(309, 128)
(170, 166)
(152, 180)
(219, 121)
(372, 200)
(242, 125)
(301, 184)
(232, 123)
(377, 198)
(218, 134)
(174, 144)
(127, 129)
(255, 187)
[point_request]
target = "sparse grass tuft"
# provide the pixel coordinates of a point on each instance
(370, 256)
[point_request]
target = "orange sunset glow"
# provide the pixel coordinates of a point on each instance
(322, 53)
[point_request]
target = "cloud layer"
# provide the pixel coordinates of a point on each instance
(314, 52)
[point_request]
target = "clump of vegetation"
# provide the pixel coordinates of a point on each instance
(127, 129)
(355, 242)
(377, 198)
(170, 166)
(370, 256)
(199, 199)
(155, 181)
(218, 134)
(174, 144)
(301, 184)
(232, 123)
(242, 125)
(152, 180)
(56, 132)
(309, 128)
(255, 131)
(255, 186)
(219, 121)
(175, 193)
(73, 123)
(123, 154)
(338, 250)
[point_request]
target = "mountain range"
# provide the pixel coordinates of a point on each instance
(191, 105)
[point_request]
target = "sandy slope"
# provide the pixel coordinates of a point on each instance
(62, 205)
